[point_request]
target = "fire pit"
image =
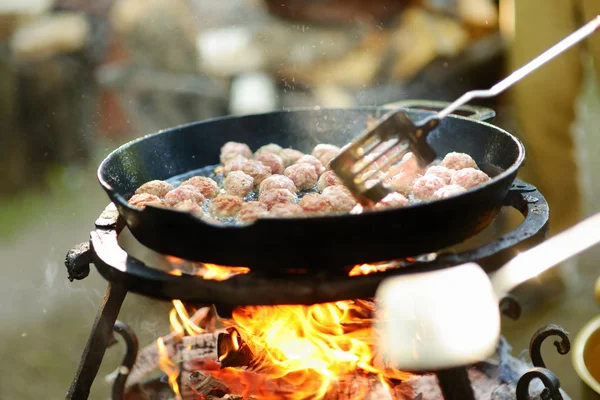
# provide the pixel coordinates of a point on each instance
(227, 354)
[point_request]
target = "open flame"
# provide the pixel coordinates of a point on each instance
(207, 271)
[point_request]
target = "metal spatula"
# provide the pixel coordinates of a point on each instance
(366, 164)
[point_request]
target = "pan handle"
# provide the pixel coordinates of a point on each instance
(473, 112)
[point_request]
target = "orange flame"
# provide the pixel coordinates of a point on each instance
(206, 271)
(168, 367)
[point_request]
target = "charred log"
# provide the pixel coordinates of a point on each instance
(205, 385)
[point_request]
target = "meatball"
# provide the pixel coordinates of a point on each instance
(392, 200)
(282, 210)
(257, 171)
(449, 191)
(304, 176)
(232, 149)
(469, 178)
(207, 186)
(426, 186)
(274, 196)
(238, 183)
(340, 198)
(458, 161)
(402, 183)
(277, 182)
(441, 172)
(189, 206)
(225, 206)
(235, 164)
(251, 211)
(157, 188)
(307, 159)
(183, 193)
(325, 152)
(290, 156)
(329, 178)
(273, 161)
(314, 203)
(143, 199)
(270, 148)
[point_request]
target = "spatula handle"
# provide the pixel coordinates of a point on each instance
(525, 70)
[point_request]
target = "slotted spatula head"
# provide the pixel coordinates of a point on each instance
(366, 165)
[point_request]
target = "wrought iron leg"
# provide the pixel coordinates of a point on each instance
(99, 340)
(455, 384)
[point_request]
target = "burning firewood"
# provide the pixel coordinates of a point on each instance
(233, 351)
(205, 385)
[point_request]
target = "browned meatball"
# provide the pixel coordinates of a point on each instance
(449, 191)
(273, 161)
(441, 172)
(235, 164)
(469, 178)
(271, 148)
(251, 211)
(232, 149)
(290, 156)
(277, 182)
(183, 193)
(257, 171)
(157, 188)
(458, 161)
(312, 160)
(238, 183)
(325, 152)
(426, 186)
(225, 206)
(329, 178)
(274, 196)
(314, 203)
(207, 186)
(392, 200)
(189, 206)
(402, 183)
(340, 198)
(143, 199)
(304, 176)
(283, 210)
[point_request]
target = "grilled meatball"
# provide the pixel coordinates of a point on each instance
(328, 178)
(157, 188)
(469, 178)
(235, 164)
(307, 159)
(225, 205)
(304, 176)
(325, 152)
(392, 200)
(458, 161)
(277, 182)
(426, 186)
(340, 198)
(274, 196)
(183, 193)
(402, 183)
(189, 206)
(441, 172)
(449, 191)
(238, 183)
(271, 160)
(232, 149)
(314, 203)
(143, 199)
(251, 211)
(207, 186)
(290, 156)
(257, 171)
(283, 210)
(270, 148)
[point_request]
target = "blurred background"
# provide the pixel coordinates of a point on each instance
(78, 78)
